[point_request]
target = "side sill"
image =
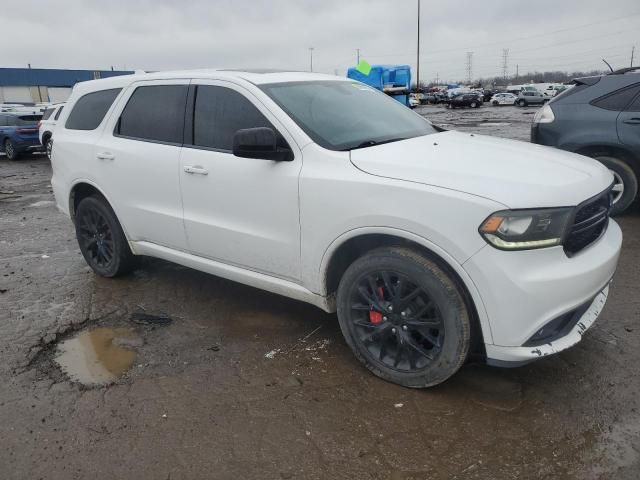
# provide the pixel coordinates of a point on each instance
(236, 274)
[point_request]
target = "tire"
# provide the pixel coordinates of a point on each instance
(48, 146)
(421, 345)
(101, 239)
(626, 182)
(522, 103)
(474, 105)
(495, 103)
(10, 150)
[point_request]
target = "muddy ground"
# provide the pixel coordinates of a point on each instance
(238, 383)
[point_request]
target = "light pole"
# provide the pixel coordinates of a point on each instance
(311, 59)
(357, 56)
(418, 54)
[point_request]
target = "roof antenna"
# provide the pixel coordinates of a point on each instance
(608, 65)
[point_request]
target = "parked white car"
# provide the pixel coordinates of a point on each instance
(504, 99)
(47, 125)
(427, 243)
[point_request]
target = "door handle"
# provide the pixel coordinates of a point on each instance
(632, 121)
(196, 170)
(105, 156)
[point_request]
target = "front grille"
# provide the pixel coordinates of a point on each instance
(589, 223)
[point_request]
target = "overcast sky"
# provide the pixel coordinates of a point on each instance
(158, 35)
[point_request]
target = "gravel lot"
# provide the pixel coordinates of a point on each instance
(245, 384)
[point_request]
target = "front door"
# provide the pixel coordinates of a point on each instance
(239, 211)
(629, 125)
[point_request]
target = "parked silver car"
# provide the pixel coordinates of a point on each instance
(531, 97)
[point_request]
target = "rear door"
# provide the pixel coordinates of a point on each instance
(629, 124)
(137, 161)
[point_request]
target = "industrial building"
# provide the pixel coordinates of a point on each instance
(18, 85)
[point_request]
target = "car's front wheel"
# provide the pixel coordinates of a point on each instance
(522, 103)
(495, 103)
(625, 183)
(10, 150)
(101, 239)
(404, 317)
(474, 104)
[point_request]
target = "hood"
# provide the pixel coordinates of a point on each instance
(514, 173)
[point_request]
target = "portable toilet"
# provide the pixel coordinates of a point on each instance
(394, 80)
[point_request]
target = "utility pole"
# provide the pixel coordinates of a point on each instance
(311, 59)
(469, 66)
(517, 70)
(505, 63)
(633, 50)
(357, 56)
(418, 53)
(437, 78)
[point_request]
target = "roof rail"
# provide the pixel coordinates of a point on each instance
(622, 71)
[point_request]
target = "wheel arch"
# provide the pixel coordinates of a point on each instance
(356, 243)
(46, 136)
(616, 151)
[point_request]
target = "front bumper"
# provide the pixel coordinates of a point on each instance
(523, 291)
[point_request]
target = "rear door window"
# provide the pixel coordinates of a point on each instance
(26, 120)
(155, 113)
(618, 100)
(90, 109)
(219, 113)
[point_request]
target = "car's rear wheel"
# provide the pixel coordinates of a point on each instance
(48, 145)
(495, 103)
(101, 239)
(10, 150)
(625, 186)
(474, 104)
(404, 317)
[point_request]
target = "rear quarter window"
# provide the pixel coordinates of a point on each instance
(618, 100)
(90, 109)
(47, 113)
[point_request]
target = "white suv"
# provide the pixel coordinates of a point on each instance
(319, 188)
(47, 125)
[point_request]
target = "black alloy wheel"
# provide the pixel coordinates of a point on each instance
(101, 239)
(396, 321)
(404, 317)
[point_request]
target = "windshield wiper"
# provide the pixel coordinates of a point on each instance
(371, 143)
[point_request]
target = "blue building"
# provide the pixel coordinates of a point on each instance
(45, 84)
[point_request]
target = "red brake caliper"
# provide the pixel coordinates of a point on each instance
(376, 317)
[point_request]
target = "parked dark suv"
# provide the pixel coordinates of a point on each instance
(465, 100)
(599, 117)
(19, 134)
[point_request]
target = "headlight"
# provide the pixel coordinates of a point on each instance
(544, 115)
(526, 229)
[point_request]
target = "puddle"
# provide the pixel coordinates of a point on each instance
(98, 356)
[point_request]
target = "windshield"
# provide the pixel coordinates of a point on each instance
(346, 115)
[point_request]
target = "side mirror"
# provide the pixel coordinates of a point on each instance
(260, 143)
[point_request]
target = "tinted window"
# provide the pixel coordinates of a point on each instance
(29, 119)
(58, 113)
(219, 113)
(617, 100)
(11, 120)
(3, 120)
(47, 113)
(155, 113)
(90, 109)
(635, 105)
